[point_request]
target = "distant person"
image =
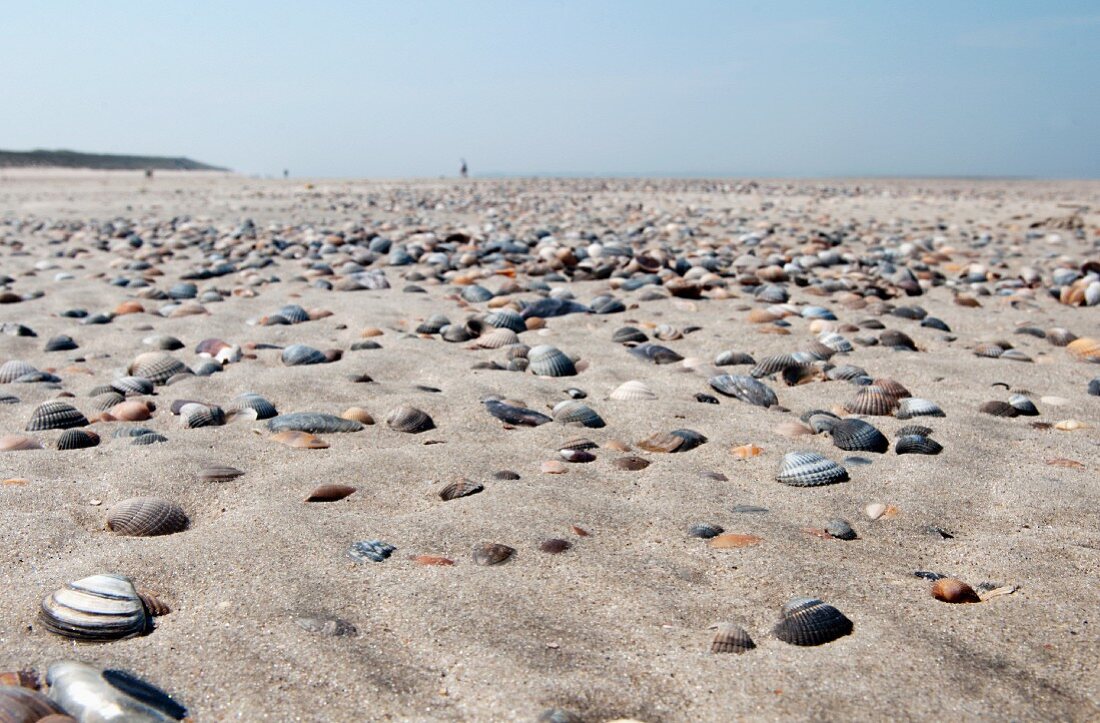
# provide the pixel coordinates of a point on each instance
(286, 173)
(463, 171)
(148, 172)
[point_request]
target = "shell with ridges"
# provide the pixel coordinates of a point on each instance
(917, 444)
(156, 366)
(730, 638)
(809, 469)
(570, 411)
(855, 435)
(313, 422)
(409, 419)
(917, 407)
(77, 439)
(871, 400)
(55, 415)
(549, 361)
(632, 391)
(146, 517)
(809, 621)
(100, 607)
(23, 705)
(745, 388)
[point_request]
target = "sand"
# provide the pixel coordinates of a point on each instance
(616, 627)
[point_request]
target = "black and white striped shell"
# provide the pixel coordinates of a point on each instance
(506, 319)
(519, 416)
(845, 373)
(705, 530)
(156, 366)
(433, 324)
(293, 313)
(254, 402)
(90, 694)
(809, 621)
(23, 705)
(836, 342)
(164, 342)
(146, 517)
(103, 402)
(809, 469)
(300, 355)
(77, 439)
(917, 444)
(462, 488)
(917, 407)
(131, 385)
(918, 429)
(1023, 406)
(632, 391)
(778, 363)
(871, 400)
(549, 361)
(626, 334)
(13, 369)
(1059, 336)
(655, 353)
(989, 350)
(409, 419)
(733, 358)
(745, 388)
(195, 416)
(855, 435)
(55, 415)
(61, 342)
(730, 638)
(571, 411)
(96, 608)
(313, 422)
(148, 438)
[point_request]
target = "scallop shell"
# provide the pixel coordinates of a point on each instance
(632, 391)
(77, 439)
(917, 407)
(744, 388)
(156, 366)
(491, 553)
(55, 415)
(855, 435)
(835, 342)
(100, 607)
(809, 621)
(313, 422)
(845, 373)
(809, 469)
(132, 386)
(300, 355)
(498, 339)
(462, 488)
(146, 517)
(892, 387)
(549, 361)
(570, 411)
(89, 694)
(23, 705)
(1085, 349)
(409, 419)
(330, 493)
(733, 358)
(103, 402)
(655, 353)
(518, 416)
(917, 444)
(13, 369)
(730, 638)
(219, 473)
(250, 401)
(871, 400)
(989, 350)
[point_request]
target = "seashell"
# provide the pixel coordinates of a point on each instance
(518, 416)
(148, 438)
(254, 402)
(9, 399)
(855, 435)
(357, 414)
(462, 488)
(950, 590)
(655, 353)
(100, 607)
(1094, 387)
(989, 350)
(570, 411)
(132, 411)
(23, 705)
(892, 387)
(916, 444)
(300, 354)
(821, 421)
(330, 493)
(61, 343)
(498, 339)
(845, 373)
(575, 393)
(409, 419)
(554, 546)
(732, 540)
(1069, 425)
(219, 473)
(433, 324)
(163, 342)
(871, 400)
(77, 439)
(628, 334)
(156, 366)
(632, 391)
(1085, 349)
(678, 440)
(506, 319)
(998, 409)
(1023, 405)
(13, 369)
(745, 388)
(20, 679)
(89, 694)
(433, 560)
(916, 407)
(705, 530)
(897, 340)
(299, 440)
(195, 416)
(809, 621)
(917, 429)
(548, 361)
(146, 517)
(630, 463)
(577, 456)
(552, 466)
(370, 551)
(776, 364)
(835, 342)
(1015, 355)
(455, 333)
(313, 422)
(745, 451)
(733, 358)
(127, 386)
(809, 469)
(793, 429)
(506, 474)
(491, 553)
(55, 415)
(326, 625)
(730, 638)
(1060, 337)
(840, 529)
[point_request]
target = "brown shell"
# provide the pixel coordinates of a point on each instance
(146, 517)
(730, 638)
(330, 493)
(630, 463)
(433, 560)
(492, 553)
(153, 605)
(409, 419)
(554, 546)
(299, 440)
(219, 473)
(998, 409)
(462, 488)
(23, 705)
(950, 590)
(871, 400)
(21, 679)
(18, 443)
(732, 540)
(892, 387)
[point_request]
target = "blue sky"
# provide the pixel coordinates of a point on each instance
(406, 88)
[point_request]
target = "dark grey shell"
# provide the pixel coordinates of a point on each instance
(733, 358)
(146, 517)
(506, 319)
(809, 469)
(897, 340)
(519, 416)
(570, 411)
(61, 342)
(998, 409)
(655, 353)
(300, 354)
(1023, 406)
(549, 361)
(409, 419)
(133, 385)
(313, 422)
(476, 294)
(855, 435)
(462, 488)
(744, 388)
(705, 530)
(142, 440)
(626, 334)
(1094, 387)
(455, 333)
(293, 313)
(55, 415)
(263, 408)
(77, 439)
(822, 422)
(918, 429)
(96, 608)
(13, 369)
(840, 529)
(809, 621)
(1060, 337)
(777, 364)
(917, 407)
(917, 444)
(491, 553)
(433, 324)
(163, 342)
(157, 367)
(845, 373)
(370, 551)
(730, 638)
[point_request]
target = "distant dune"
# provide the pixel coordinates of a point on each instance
(39, 158)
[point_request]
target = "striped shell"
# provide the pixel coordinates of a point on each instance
(918, 429)
(989, 350)
(678, 440)
(570, 411)
(433, 324)
(409, 419)
(917, 407)
(96, 608)
(61, 343)
(626, 334)
(146, 517)
(744, 388)
(778, 363)
(300, 354)
(1024, 406)
(132, 385)
(632, 391)
(13, 369)
(103, 402)
(142, 440)
(250, 401)
(836, 342)
(809, 469)
(156, 366)
(855, 435)
(732, 358)
(705, 530)
(1084, 349)
(809, 621)
(497, 339)
(549, 361)
(462, 488)
(730, 638)
(201, 415)
(370, 551)
(491, 553)
(55, 415)
(1060, 337)
(518, 416)
(313, 422)
(23, 705)
(506, 319)
(655, 353)
(917, 444)
(897, 340)
(77, 439)
(892, 387)
(871, 400)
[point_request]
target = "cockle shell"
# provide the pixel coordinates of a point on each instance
(632, 391)
(55, 415)
(871, 400)
(858, 436)
(1085, 349)
(409, 419)
(730, 638)
(77, 439)
(809, 621)
(156, 366)
(498, 339)
(302, 355)
(733, 358)
(570, 411)
(251, 401)
(916, 407)
(13, 369)
(132, 385)
(100, 607)
(461, 488)
(146, 517)
(809, 469)
(549, 361)
(744, 388)
(491, 553)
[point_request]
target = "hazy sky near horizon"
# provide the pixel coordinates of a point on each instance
(394, 89)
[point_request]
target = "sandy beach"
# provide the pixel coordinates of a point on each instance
(617, 626)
